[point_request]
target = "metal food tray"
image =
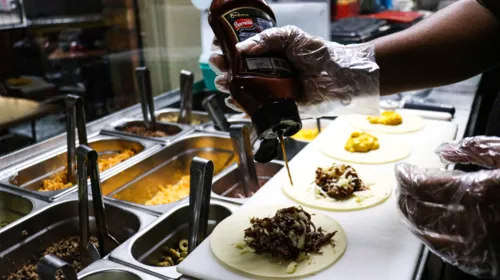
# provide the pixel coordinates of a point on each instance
(14, 206)
(228, 186)
(31, 235)
(311, 124)
(108, 270)
(138, 183)
(174, 130)
(210, 128)
(28, 176)
(145, 249)
(201, 116)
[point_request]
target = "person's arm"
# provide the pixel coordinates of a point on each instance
(456, 43)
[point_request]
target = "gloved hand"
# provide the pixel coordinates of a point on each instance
(456, 214)
(334, 77)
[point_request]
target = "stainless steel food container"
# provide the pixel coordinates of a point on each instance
(139, 183)
(173, 131)
(28, 176)
(210, 128)
(228, 186)
(25, 239)
(144, 250)
(15, 206)
(108, 270)
(170, 115)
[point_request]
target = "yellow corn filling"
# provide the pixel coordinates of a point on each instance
(171, 193)
(306, 134)
(387, 118)
(60, 181)
(361, 142)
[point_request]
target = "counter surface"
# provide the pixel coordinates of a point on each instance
(379, 244)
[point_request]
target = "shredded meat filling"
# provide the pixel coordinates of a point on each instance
(65, 249)
(339, 181)
(144, 131)
(288, 235)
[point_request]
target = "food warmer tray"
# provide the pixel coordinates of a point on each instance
(136, 184)
(108, 270)
(14, 206)
(27, 176)
(379, 245)
(145, 249)
(174, 130)
(201, 116)
(32, 234)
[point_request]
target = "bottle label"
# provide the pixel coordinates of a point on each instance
(247, 22)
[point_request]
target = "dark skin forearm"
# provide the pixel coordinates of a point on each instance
(454, 44)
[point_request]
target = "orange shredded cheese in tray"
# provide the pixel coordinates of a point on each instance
(60, 181)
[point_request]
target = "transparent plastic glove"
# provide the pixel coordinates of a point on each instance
(480, 150)
(337, 79)
(456, 214)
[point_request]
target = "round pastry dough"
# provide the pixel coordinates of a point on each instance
(411, 123)
(231, 231)
(391, 149)
(304, 190)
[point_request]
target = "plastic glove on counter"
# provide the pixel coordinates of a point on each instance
(456, 214)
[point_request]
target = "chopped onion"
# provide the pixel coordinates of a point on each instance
(292, 266)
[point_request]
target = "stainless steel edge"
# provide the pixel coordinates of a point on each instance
(106, 266)
(123, 254)
(6, 161)
(156, 209)
(421, 263)
(144, 218)
(5, 175)
(37, 205)
(176, 110)
(111, 130)
(226, 172)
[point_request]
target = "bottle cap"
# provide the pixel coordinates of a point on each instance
(267, 151)
(280, 115)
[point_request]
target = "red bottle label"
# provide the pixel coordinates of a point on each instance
(244, 23)
(247, 22)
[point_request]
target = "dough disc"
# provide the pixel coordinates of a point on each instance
(303, 190)
(411, 123)
(391, 150)
(230, 231)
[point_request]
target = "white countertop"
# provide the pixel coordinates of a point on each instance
(379, 244)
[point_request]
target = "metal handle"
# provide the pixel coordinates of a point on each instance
(318, 124)
(212, 107)
(75, 117)
(88, 251)
(83, 200)
(103, 235)
(146, 93)
(201, 172)
(70, 142)
(240, 134)
(76, 102)
(49, 265)
(186, 107)
(139, 75)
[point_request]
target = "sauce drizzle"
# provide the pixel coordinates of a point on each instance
(282, 142)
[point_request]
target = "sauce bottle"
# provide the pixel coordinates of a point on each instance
(264, 85)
